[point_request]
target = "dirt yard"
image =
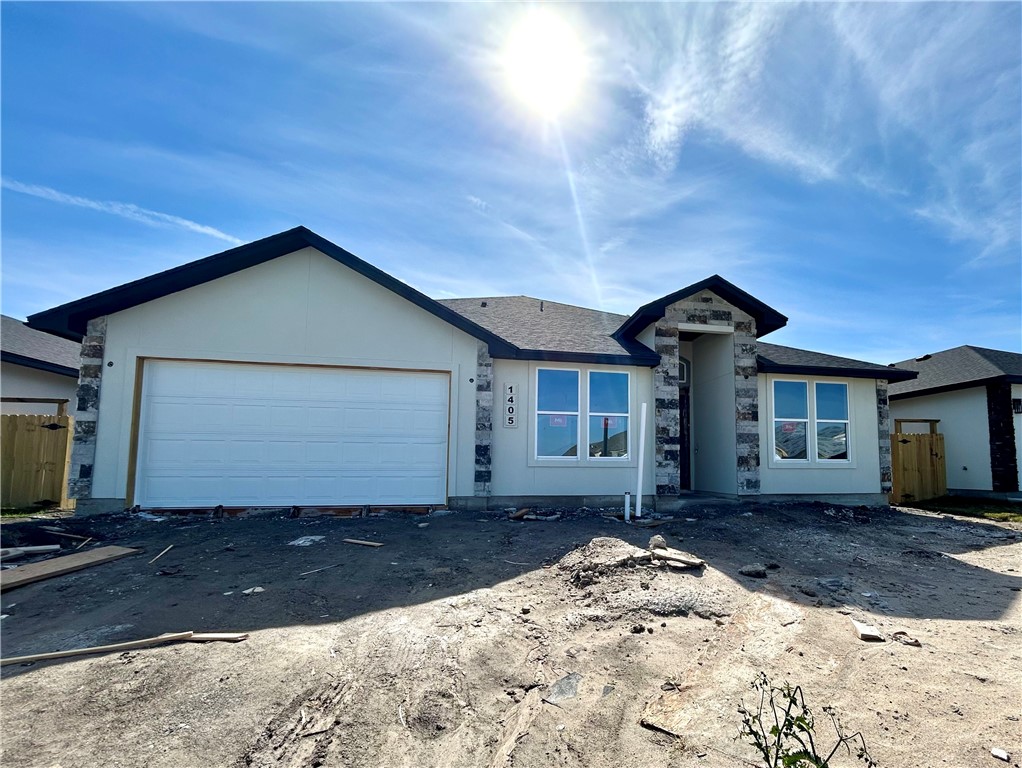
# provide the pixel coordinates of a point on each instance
(470, 640)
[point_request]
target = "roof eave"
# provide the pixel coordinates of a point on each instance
(889, 374)
(70, 320)
(590, 358)
(39, 365)
(768, 319)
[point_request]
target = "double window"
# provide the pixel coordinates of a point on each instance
(810, 422)
(561, 412)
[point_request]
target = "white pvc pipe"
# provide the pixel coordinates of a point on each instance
(628, 506)
(642, 454)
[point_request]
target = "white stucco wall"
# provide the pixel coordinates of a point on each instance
(19, 381)
(517, 472)
(966, 428)
(861, 474)
(300, 308)
(713, 413)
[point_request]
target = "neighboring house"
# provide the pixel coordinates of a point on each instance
(290, 372)
(977, 395)
(36, 365)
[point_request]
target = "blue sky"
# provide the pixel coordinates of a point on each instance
(857, 167)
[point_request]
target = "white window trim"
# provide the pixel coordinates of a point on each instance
(536, 413)
(811, 461)
(628, 415)
(582, 459)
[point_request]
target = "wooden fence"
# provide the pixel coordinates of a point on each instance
(35, 458)
(917, 463)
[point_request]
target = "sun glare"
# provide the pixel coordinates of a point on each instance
(544, 63)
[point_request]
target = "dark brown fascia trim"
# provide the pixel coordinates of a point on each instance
(887, 374)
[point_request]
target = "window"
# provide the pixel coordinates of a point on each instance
(791, 420)
(831, 421)
(608, 415)
(557, 403)
(810, 423)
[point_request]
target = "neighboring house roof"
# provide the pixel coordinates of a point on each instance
(542, 327)
(773, 358)
(22, 345)
(958, 368)
(767, 319)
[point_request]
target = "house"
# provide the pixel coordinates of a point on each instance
(36, 366)
(976, 394)
(289, 372)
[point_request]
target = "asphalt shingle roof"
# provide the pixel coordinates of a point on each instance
(530, 323)
(957, 368)
(773, 358)
(16, 338)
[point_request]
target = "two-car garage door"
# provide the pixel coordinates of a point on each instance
(274, 435)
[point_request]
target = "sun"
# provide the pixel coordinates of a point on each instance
(544, 63)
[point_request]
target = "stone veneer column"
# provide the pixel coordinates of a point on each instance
(83, 450)
(705, 308)
(746, 405)
(884, 422)
(484, 421)
(1001, 421)
(666, 413)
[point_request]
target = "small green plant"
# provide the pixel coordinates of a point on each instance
(783, 731)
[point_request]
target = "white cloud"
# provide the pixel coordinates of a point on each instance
(124, 210)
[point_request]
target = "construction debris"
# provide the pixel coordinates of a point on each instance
(363, 543)
(252, 591)
(906, 639)
(58, 566)
(170, 637)
(1000, 754)
(9, 553)
(60, 532)
(305, 541)
(160, 555)
(867, 632)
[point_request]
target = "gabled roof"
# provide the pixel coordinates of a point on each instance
(958, 368)
(549, 330)
(22, 345)
(773, 358)
(767, 318)
(70, 320)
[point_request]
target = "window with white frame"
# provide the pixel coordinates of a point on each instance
(557, 410)
(608, 415)
(810, 422)
(831, 401)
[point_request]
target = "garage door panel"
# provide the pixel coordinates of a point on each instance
(247, 434)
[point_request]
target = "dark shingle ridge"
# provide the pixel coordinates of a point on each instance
(957, 368)
(17, 340)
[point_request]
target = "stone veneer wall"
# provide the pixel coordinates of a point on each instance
(484, 421)
(1003, 459)
(83, 450)
(705, 308)
(884, 422)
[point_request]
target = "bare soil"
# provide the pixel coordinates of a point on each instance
(472, 640)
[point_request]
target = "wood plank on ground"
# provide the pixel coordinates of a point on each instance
(58, 566)
(363, 543)
(169, 637)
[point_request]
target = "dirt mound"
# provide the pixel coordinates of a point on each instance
(619, 578)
